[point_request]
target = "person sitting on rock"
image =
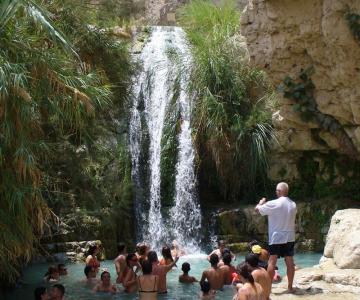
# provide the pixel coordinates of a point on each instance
(105, 284)
(260, 275)
(185, 278)
(214, 275)
(52, 275)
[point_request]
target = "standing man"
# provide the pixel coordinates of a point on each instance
(281, 214)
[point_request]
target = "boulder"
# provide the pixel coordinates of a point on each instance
(343, 239)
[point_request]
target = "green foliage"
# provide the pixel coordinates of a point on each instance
(353, 20)
(232, 113)
(49, 95)
(327, 175)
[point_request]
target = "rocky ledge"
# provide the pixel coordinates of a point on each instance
(338, 274)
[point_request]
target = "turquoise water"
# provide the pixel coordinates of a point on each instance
(176, 291)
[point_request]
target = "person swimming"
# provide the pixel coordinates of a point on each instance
(185, 278)
(105, 284)
(52, 275)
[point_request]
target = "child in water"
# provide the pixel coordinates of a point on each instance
(185, 278)
(206, 294)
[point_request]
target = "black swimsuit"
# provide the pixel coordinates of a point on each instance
(142, 291)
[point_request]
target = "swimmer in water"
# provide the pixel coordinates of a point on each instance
(105, 284)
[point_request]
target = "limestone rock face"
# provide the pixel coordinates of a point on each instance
(285, 36)
(343, 239)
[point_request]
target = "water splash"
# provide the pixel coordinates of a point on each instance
(153, 91)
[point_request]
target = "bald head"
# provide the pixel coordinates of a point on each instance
(282, 189)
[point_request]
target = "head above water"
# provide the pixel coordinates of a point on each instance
(282, 189)
(166, 253)
(227, 258)
(40, 293)
(244, 270)
(105, 276)
(146, 267)
(252, 259)
(185, 267)
(205, 286)
(214, 260)
(121, 247)
(152, 257)
(62, 269)
(93, 249)
(57, 291)
(222, 244)
(131, 260)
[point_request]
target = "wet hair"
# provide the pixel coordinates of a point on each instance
(227, 258)
(185, 267)
(222, 243)
(214, 259)
(129, 257)
(152, 257)
(121, 247)
(225, 250)
(205, 286)
(244, 270)
(38, 292)
(103, 273)
(87, 270)
(166, 253)
(60, 287)
(146, 267)
(142, 249)
(51, 270)
(92, 249)
(61, 266)
(252, 259)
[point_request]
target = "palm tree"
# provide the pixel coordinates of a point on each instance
(44, 90)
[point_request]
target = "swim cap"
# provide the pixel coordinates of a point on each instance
(256, 249)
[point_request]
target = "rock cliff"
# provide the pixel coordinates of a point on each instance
(285, 36)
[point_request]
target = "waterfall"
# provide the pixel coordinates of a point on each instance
(153, 90)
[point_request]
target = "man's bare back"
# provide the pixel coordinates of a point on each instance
(262, 277)
(215, 276)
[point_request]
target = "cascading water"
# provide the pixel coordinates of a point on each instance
(153, 91)
(186, 214)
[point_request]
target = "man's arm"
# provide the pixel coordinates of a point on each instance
(170, 266)
(261, 202)
(203, 277)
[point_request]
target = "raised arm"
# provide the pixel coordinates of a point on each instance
(170, 266)
(261, 202)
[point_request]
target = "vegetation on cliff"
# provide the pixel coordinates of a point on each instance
(56, 85)
(232, 113)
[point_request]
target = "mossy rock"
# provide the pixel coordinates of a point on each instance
(238, 247)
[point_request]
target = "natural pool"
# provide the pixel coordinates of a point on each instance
(75, 290)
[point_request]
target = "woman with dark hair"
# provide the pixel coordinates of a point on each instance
(167, 259)
(130, 280)
(250, 290)
(147, 283)
(105, 284)
(40, 293)
(91, 259)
